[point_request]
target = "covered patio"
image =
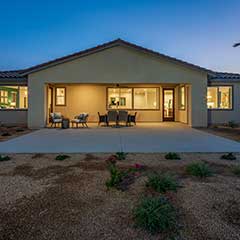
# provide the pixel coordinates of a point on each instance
(148, 102)
(145, 137)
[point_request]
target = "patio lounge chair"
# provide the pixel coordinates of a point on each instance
(102, 119)
(112, 116)
(55, 118)
(123, 117)
(82, 118)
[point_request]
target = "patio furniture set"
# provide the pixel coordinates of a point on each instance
(58, 119)
(117, 117)
(112, 118)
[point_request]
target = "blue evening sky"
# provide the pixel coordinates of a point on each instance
(198, 31)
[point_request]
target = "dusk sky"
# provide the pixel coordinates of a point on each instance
(201, 32)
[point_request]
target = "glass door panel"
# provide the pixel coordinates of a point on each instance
(168, 104)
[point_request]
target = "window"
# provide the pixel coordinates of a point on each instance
(119, 98)
(225, 97)
(13, 97)
(146, 98)
(182, 98)
(4, 97)
(219, 97)
(133, 98)
(60, 96)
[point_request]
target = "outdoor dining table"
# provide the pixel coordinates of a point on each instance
(128, 122)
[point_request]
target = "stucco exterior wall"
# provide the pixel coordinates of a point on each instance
(224, 116)
(117, 65)
(13, 117)
(182, 115)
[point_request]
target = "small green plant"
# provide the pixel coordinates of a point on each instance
(199, 170)
(6, 134)
(232, 124)
(172, 156)
(61, 157)
(116, 176)
(121, 155)
(236, 170)
(155, 214)
(229, 156)
(162, 183)
(20, 130)
(4, 158)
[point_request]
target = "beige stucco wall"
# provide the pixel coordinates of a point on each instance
(117, 65)
(183, 115)
(13, 117)
(224, 116)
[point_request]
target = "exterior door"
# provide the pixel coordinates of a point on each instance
(168, 104)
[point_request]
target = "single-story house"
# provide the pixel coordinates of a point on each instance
(119, 75)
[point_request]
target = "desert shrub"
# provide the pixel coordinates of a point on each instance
(37, 155)
(172, 156)
(4, 158)
(236, 170)
(20, 130)
(162, 183)
(112, 159)
(121, 155)
(229, 156)
(199, 169)
(61, 157)
(116, 176)
(6, 134)
(232, 124)
(155, 214)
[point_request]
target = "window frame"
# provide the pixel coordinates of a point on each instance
(148, 109)
(4, 97)
(132, 106)
(19, 86)
(179, 98)
(107, 105)
(65, 96)
(218, 103)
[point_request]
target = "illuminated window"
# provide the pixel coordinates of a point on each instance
(219, 97)
(225, 97)
(60, 96)
(119, 98)
(182, 98)
(4, 97)
(146, 98)
(13, 97)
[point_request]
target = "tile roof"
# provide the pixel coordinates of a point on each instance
(10, 74)
(12, 77)
(224, 76)
(227, 75)
(107, 45)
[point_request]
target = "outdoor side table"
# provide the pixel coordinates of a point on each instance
(65, 123)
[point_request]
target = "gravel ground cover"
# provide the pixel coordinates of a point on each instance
(42, 198)
(224, 131)
(9, 132)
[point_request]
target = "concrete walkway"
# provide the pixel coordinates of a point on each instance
(154, 137)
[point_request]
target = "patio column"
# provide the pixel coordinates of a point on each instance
(37, 102)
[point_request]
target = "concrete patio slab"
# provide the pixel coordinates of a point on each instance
(154, 137)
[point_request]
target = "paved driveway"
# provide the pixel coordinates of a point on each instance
(158, 137)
